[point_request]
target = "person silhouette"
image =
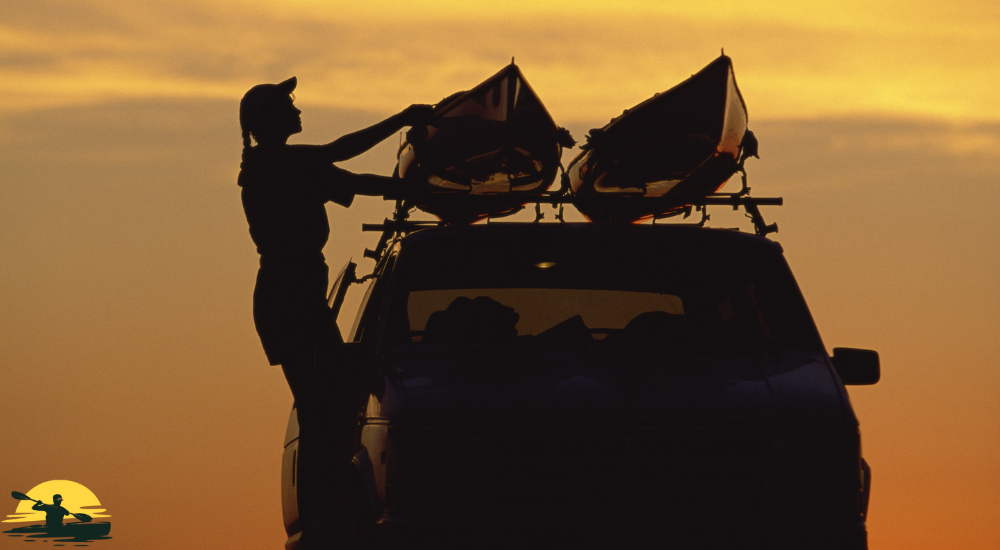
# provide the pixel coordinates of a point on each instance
(54, 513)
(284, 191)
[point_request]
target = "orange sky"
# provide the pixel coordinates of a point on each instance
(804, 58)
(130, 360)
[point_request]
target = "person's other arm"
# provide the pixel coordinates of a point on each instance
(375, 185)
(353, 144)
(340, 186)
(345, 181)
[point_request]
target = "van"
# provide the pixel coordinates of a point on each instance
(578, 385)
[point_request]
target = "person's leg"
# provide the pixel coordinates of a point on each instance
(312, 475)
(344, 391)
(340, 445)
(327, 406)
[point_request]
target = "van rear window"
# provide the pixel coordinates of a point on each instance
(596, 289)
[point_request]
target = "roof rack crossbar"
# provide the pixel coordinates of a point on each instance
(400, 224)
(557, 199)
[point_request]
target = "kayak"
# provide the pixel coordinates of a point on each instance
(484, 152)
(667, 152)
(76, 531)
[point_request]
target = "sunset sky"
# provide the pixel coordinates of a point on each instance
(130, 360)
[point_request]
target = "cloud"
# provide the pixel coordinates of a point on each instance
(584, 59)
(941, 141)
(898, 137)
(910, 156)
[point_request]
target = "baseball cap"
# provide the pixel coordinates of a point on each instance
(256, 97)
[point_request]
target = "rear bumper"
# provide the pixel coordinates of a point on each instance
(403, 534)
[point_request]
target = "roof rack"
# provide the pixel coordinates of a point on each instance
(400, 224)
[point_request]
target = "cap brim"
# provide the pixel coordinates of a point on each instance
(288, 86)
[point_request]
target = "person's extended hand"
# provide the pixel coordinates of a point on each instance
(417, 114)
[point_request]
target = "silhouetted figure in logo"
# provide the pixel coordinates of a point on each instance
(285, 188)
(54, 513)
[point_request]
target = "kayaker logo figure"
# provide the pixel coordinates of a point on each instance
(33, 508)
(54, 513)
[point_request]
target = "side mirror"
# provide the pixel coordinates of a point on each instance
(856, 367)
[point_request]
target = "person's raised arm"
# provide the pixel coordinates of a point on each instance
(353, 144)
(375, 185)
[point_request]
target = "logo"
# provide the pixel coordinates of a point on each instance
(59, 511)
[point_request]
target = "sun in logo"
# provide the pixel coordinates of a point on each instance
(76, 499)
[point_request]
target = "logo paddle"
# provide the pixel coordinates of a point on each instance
(22, 496)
